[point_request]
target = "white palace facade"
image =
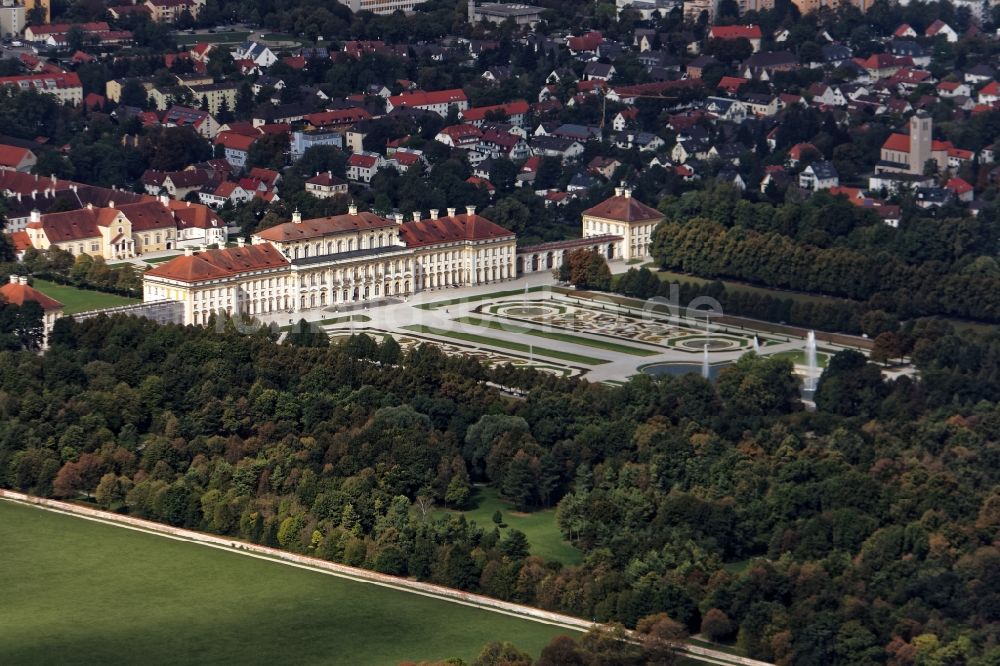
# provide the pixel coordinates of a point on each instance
(335, 261)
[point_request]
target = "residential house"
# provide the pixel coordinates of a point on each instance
(303, 140)
(819, 175)
(14, 158)
(556, 146)
(941, 29)
(439, 101)
(597, 71)
(259, 54)
(511, 112)
(236, 147)
(325, 185)
(225, 192)
(751, 33)
(362, 166)
(500, 144)
(200, 121)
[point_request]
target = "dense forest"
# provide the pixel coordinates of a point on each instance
(928, 266)
(860, 533)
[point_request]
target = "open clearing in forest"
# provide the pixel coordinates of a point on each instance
(539, 526)
(80, 592)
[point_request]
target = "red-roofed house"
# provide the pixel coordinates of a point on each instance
(585, 43)
(362, 167)
(989, 94)
(459, 136)
(904, 31)
(236, 146)
(511, 112)
(961, 189)
(751, 33)
(325, 185)
(439, 101)
(940, 28)
(14, 158)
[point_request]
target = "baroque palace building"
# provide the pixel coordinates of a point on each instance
(335, 261)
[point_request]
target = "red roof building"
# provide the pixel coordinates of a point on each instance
(451, 229)
(18, 292)
(220, 263)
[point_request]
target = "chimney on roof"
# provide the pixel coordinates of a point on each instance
(416, 216)
(202, 248)
(297, 217)
(36, 216)
(164, 200)
(23, 279)
(18, 196)
(240, 242)
(451, 212)
(618, 191)
(470, 210)
(13, 279)
(34, 193)
(111, 204)
(54, 179)
(434, 213)
(90, 206)
(188, 251)
(352, 209)
(627, 192)
(399, 218)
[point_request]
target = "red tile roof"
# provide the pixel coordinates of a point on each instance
(958, 186)
(337, 117)
(20, 240)
(624, 209)
(517, 107)
(235, 141)
(322, 226)
(19, 294)
(418, 99)
(450, 229)
(215, 264)
(897, 142)
(734, 32)
(12, 156)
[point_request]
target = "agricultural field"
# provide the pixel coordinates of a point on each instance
(80, 592)
(80, 300)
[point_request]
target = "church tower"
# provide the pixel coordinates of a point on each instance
(921, 128)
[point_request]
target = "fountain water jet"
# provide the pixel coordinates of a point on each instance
(705, 367)
(756, 345)
(811, 364)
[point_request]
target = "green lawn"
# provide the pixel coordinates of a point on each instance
(80, 300)
(539, 526)
(79, 592)
(559, 337)
(506, 344)
(799, 357)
